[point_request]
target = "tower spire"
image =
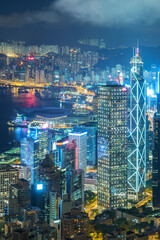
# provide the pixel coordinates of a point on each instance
(137, 49)
(133, 52)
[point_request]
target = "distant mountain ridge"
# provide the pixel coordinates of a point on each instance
(112, 57)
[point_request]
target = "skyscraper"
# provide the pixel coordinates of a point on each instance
(81, 142)
(156, 161)
(75, 188)
(66, 154)
(8, 176)
(19, 196)
(112, 146)
(91, 130)
(30, 156)
(33, 150)
(51, 179)
(137, 130)
(158, 103)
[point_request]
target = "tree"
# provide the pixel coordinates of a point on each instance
(122, 223)
(89, 196)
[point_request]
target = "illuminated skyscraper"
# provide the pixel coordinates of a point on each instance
(29, 156)
(8, 176)
(137, 130)
(91, 130)
(67, 154)
(52, 179)
(33, 150)
(75, 188)
(81, 152)
(112, 146)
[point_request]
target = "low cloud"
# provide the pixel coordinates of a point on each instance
(16, 20)
(109, 13)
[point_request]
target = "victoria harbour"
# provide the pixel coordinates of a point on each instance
(10, 101)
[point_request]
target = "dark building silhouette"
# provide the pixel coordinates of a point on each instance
(156, 161)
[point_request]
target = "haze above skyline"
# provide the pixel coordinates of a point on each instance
(65, 21)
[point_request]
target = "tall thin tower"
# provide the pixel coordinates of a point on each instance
(137, 130)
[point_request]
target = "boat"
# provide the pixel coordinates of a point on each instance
(16, 124)
(37, 94)
(47, 95)
(22, 90)
(20, 121)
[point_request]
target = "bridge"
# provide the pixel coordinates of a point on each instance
(56, 87)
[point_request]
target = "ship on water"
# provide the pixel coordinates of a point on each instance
(22, 90)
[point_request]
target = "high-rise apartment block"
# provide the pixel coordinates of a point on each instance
(112, 146)
(8, 176)
(73, 223)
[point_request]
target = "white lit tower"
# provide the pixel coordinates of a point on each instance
(137, 130)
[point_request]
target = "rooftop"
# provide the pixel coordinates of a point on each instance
(6, 168)
(44, 112)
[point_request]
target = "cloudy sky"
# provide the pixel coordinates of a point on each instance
(64, 21)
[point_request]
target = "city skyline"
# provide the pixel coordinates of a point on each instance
(79, 120)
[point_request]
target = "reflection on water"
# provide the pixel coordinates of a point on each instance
(11, 99)
(20, 133)
(27, 100)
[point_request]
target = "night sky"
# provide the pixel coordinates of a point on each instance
(65, 21)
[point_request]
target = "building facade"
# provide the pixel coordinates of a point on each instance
(91, 130)
(33, 150)
(8, 176)
(137, 130)
(81, 150)
(156, 162)
(112, 146)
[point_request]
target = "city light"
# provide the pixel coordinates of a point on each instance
(31, 58)
(83, 130)
(45, 125)
(150, 92)
(77, 134)
(39, 186)
(124, 89)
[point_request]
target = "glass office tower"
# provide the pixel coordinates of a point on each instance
(112, 146)
(137, 130)
(81, 151)
(91, 130)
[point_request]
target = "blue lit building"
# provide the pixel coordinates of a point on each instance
(33, 150)
(75, 188)
(81, 151)
(137, 130)
(91, 130)
(52, 179)
(29, 155)
(154, 77)
(67, 154)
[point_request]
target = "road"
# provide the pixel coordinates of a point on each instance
(143, 201)
(79, 89)
(90, 207)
